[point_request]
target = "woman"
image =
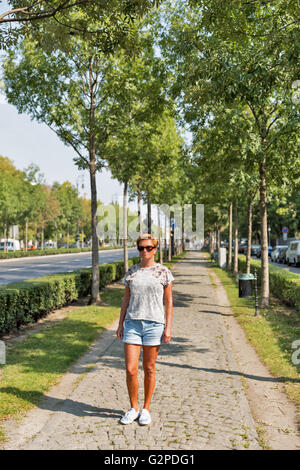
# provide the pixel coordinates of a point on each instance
(147, 308)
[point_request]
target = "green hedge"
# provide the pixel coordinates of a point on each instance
(26, 302)
(283, 284)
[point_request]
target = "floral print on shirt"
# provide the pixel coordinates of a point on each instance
(159, 271)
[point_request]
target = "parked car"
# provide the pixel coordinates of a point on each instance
(246, 250)
(293, 253)
(276, 252)
(31, 247)
(282, 255)
(242, 248)
(270, 250)
(254, 249)
(49, 244)
(258, 252)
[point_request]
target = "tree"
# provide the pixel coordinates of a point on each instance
(107, 23)
(84, 219)
(47, 211)
(135, 104)
(32, 194)
(212, 68)
(69, 97)
(11, 186)
(69, 207)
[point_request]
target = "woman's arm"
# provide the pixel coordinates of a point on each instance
(125, 303)
(168, 302)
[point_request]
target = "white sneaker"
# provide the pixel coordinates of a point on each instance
(130, 416)
(145, 417)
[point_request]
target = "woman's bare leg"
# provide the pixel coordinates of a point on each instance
(132, 354)
(149, 357)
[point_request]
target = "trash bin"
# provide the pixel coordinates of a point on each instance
(245, 286)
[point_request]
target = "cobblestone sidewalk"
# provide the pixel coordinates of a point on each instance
(198, 403)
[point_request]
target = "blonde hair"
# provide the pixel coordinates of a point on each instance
(147, 236)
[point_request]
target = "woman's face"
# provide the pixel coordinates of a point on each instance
(147, 255)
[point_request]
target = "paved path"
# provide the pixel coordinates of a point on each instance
(199, 401)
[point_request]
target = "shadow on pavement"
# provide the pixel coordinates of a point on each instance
(217, 313)
(231, 372)
(77, 408)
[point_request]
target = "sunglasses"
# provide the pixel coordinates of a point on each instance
(147, 248)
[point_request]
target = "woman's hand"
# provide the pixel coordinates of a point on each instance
(166, 335)
(120, 331)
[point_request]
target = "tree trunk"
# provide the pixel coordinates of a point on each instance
(68, 237)
(183, 240)
(140, 211)
(125, 247)
(230, 238)
(159, 236)
(211, 247)
(95, 297)
(170, 245)
(42, 238)
(166, 256)
(26, 234)
(218, 238)
(264, 301)
(149, 214)
(5, 237)
(249, 237)
(236, 242)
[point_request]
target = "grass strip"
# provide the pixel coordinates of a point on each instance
(272, 333)
(37, 363)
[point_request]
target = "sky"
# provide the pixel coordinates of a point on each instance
(25, 141)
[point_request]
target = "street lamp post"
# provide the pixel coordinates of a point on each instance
(269, 230)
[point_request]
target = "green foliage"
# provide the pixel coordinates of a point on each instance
(11, 189)
(283, 285)
(107, 23)
(25, 198)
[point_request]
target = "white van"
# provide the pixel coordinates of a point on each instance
(293, 253)
(11, 244)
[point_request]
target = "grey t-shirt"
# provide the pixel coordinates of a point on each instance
(147, 292)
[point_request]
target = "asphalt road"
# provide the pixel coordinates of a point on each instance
(20, 269)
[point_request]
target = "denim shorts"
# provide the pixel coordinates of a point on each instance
(143, 332)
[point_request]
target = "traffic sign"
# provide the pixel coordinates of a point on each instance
(285, 230)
